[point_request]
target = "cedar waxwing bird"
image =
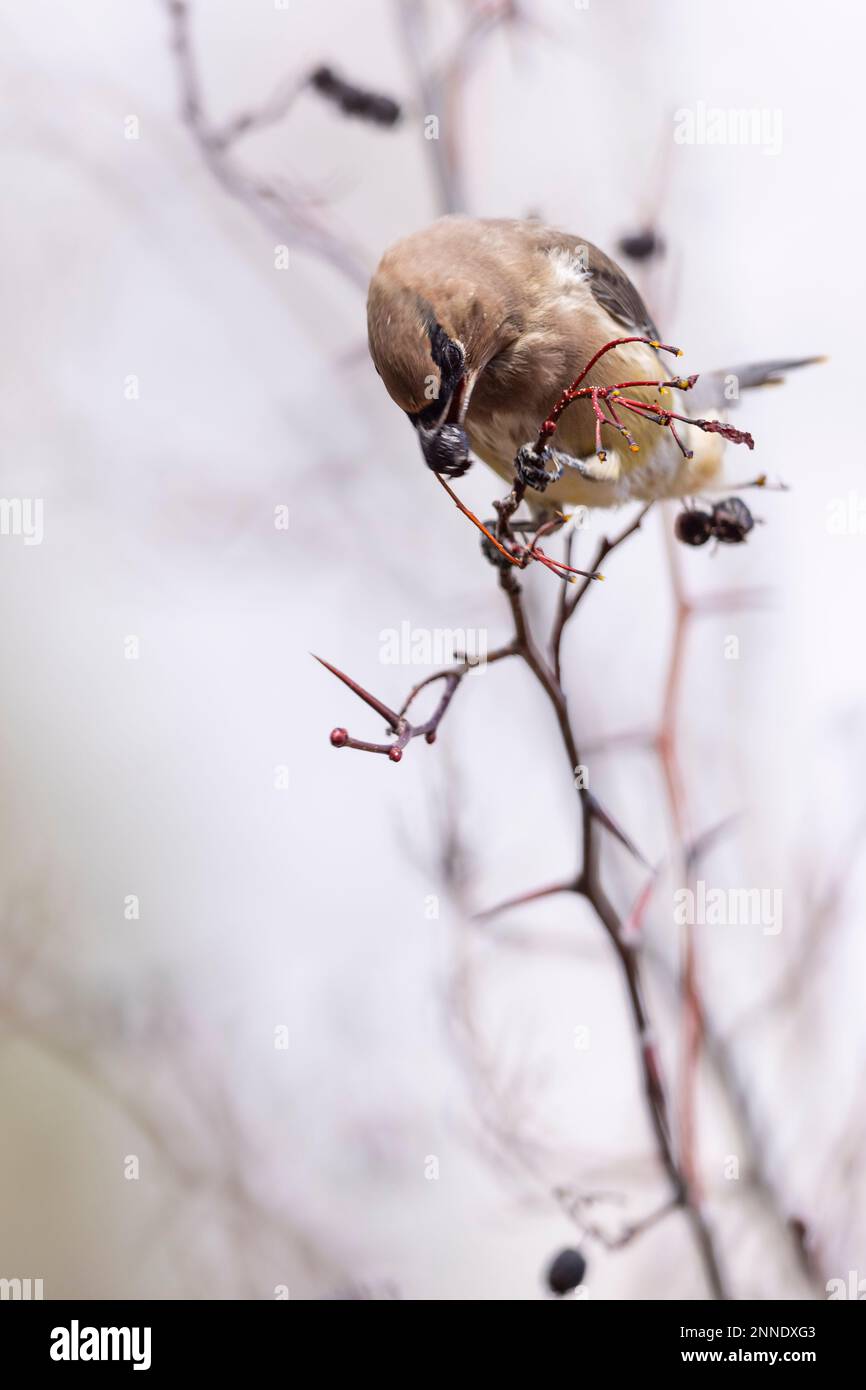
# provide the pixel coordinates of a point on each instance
(477, 326)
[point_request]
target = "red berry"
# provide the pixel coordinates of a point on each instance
(339, 737)
(395, 755)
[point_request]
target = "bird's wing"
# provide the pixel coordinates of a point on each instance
(615, 292)
(609, 284)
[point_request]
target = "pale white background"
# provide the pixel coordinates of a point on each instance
(306, 907)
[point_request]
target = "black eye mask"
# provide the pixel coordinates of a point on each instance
(448, 357)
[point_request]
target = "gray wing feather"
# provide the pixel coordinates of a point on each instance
(616, 293)
(610, 285)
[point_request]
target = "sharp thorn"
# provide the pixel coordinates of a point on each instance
(387, 714)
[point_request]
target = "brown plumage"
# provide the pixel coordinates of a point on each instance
(478, 325)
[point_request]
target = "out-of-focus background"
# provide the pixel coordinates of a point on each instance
(252, 1042)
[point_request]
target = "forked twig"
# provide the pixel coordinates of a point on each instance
(624, 935)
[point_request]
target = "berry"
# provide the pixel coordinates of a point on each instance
(566, 1272)
(339, 737)
(641, 245)
(732, 520)
(446, 451)
(693, 527)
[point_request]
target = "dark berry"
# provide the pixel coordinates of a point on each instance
(339, 737)
(566, 1272)
(732, 520)
(446, 450)
(693, 527)
(641, 245)
(355, 101)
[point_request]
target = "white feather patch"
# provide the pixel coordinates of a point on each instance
(570, 268)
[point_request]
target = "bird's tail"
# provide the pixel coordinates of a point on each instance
(721, 389)
(712, 396)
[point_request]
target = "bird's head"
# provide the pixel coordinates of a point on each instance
(426, 364)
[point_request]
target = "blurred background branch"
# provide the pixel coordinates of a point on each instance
(185, 390)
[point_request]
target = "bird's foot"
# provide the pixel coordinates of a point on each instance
(531, 467)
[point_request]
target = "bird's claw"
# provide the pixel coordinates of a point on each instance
(530, 465)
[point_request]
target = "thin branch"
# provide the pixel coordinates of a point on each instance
(590, 886)
(271, 111)
(285, 214)
(588, 883)
(568, 603)
(521, 899)
(432, 95)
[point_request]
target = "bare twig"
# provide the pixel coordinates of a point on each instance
(589, 885)
(286, 214)
(624, 938)
(568, 602)
(403, 730)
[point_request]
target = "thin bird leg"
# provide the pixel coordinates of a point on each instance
(595, 470)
